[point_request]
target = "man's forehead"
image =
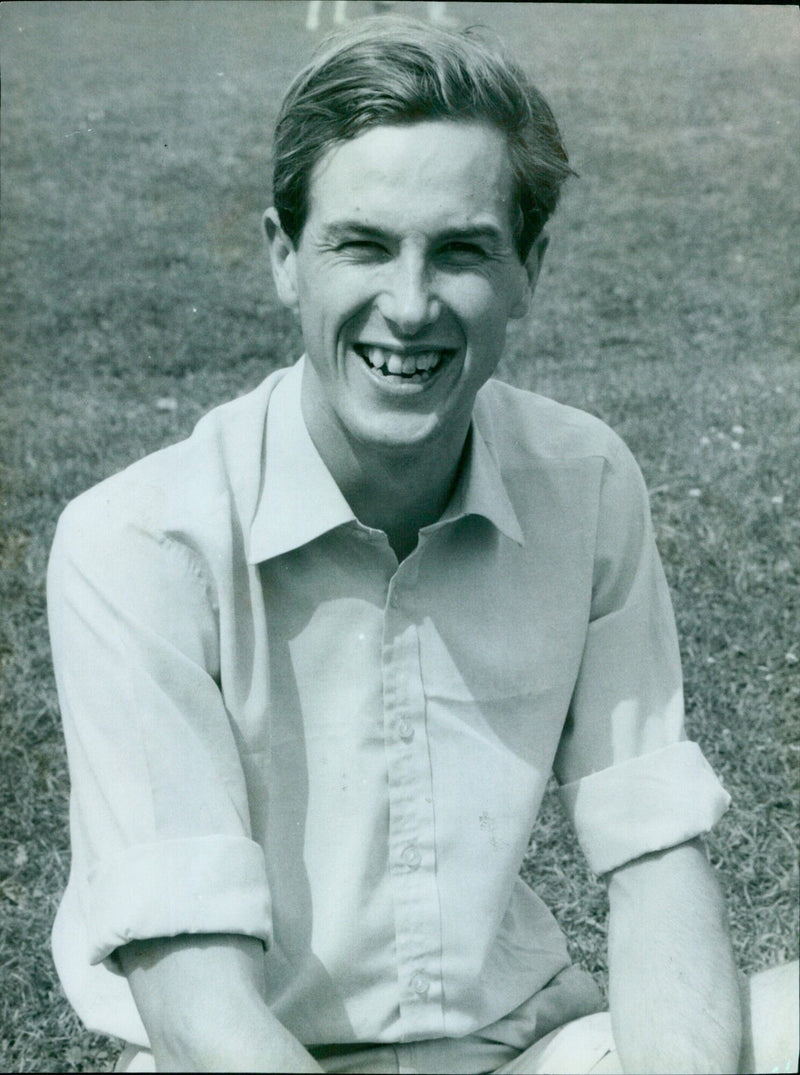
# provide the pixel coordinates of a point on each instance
(462, 168)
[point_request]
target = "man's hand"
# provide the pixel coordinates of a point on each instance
(673, 988)
(201, 999)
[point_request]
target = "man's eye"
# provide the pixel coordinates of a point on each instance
(363, 248)
(462, 253)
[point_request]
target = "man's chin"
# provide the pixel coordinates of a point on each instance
(402, 436)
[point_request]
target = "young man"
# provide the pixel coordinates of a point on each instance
(317, 662)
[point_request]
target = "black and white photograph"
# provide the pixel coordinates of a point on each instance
(400, 537)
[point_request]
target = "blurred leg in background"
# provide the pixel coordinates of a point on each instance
(315, 9)
(437, 12)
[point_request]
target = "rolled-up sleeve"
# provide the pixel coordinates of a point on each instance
(631, 783)
(159, 815)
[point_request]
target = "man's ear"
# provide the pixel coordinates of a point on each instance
(532, 268)
(283, 258)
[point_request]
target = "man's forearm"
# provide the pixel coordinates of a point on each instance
(201, 1001)
(673, 988)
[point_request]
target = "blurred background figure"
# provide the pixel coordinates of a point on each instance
(315, 7)
(437, 12)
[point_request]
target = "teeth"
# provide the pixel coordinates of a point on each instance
(375, 357)
(400, 365)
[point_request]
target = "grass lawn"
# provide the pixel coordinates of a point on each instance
(135, 166)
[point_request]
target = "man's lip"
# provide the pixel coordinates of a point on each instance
(406, 349)
(379, 360)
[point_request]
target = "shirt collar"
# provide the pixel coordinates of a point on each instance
(481, 490)
(299, 498)
(300, 501)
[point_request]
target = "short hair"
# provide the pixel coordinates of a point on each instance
(395, 70)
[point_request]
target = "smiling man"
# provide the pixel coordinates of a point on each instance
(317, 662)
(405, 275)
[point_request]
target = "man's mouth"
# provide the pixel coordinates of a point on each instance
(414, 366)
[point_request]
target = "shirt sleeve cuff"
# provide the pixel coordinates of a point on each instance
(211, 884)
(648, 803)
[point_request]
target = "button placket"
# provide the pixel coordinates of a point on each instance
(411, 824)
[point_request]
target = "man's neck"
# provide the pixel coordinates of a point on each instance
(398, 492)
(399, 495)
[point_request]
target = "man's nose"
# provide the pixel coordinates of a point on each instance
(407, 301)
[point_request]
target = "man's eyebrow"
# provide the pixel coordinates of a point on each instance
(472, 232)
(346, 229)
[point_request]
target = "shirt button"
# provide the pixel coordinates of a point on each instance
(405, 730)
(420, 983)
(411, 857)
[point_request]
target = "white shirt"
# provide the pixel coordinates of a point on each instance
(276, 730)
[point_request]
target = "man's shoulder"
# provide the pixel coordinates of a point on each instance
(523, 424)
(182, 489)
